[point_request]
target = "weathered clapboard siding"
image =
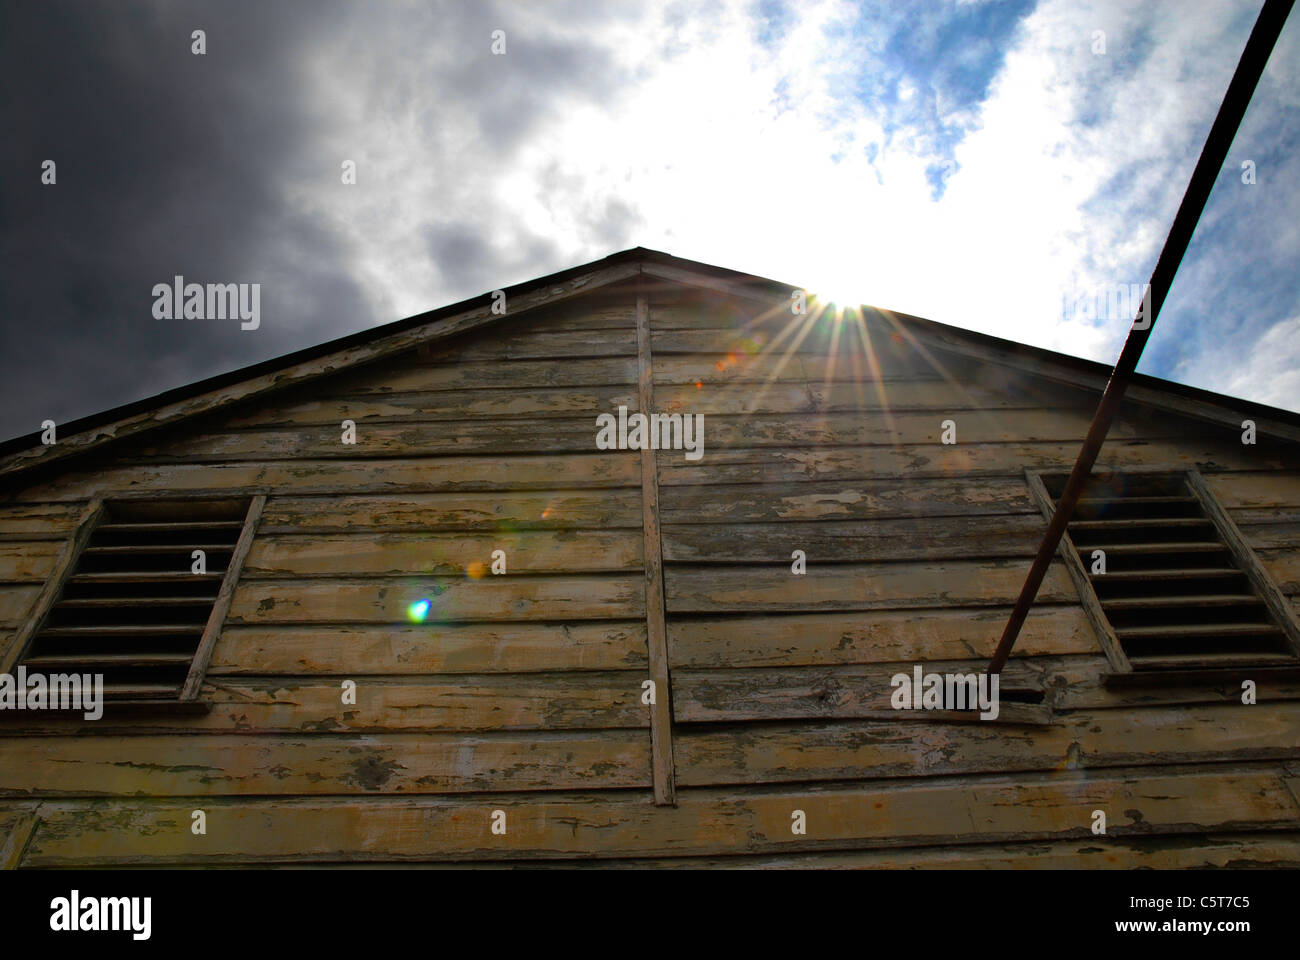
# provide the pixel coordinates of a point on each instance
(15, 601)
(532, 345)
(854, 750)
(503, 510)
(1256, 489)
(443, 406)
(581, 700)
(1275, 850)
(38, 521)
(1033, 808)
(406, 376)
(958, 461)
(840, 691)
(30, 562)
(519, 683)
(914, 550)
(784, 396)
(1283, 567)
(883, 637)
(386, 600)
(323, 441)
(504, 436)
(723, 367)
(849, 541)
(343, 650)
(863, 500)
(523, 692)
(395, 475)
(446, 554)
(224, 765)
(877, 586)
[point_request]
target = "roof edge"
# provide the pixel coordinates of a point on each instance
(565, 284)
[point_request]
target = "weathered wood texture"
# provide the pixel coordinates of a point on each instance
(522, 691)
(1030, 809)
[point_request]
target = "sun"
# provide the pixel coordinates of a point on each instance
(837, 293)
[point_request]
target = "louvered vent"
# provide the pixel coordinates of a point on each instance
(1171, 591)
(132, 607)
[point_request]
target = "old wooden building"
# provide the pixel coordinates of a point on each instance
(388, 600)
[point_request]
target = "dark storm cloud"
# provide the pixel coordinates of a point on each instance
(171, 163)
(167, 163)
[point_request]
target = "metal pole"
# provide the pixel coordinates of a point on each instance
(1251, 66)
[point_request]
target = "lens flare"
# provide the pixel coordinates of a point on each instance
(417, 611)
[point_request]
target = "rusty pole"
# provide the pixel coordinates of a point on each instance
(1253, 59)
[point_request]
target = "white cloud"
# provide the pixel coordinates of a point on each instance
(754, 157)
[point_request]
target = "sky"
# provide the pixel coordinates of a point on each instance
(1001, 166)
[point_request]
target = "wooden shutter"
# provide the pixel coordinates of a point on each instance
(132, 608)
(1172, 590)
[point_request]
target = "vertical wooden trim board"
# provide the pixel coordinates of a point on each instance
(661, 716)
(203, 655)
(67, 559)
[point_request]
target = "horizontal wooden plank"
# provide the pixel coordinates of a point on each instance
(885, 636)
(863, 500)
(711, 313)
(873, 586)
(39, 521)
(1080, 684)
(1283, 568)
(1059, 807)
(418, 474)
(451, 648)
(578, 435)
(788, 396)
(444, 554)
(851, 541)
(506, 342)
(551, 509)
(579, 403)
(225, 764)
(1271, 536)
(840, 691)
(608, 309)
(538, 701)
(1227, 850)
(740, 367)
(848, 750)
(414, 439)
(387, 601)
(465, 702)
(1262, 488)
(16, 601)
(409, 376)
(791, 335)
(925, 460)
(28, 562)
(853, 429)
